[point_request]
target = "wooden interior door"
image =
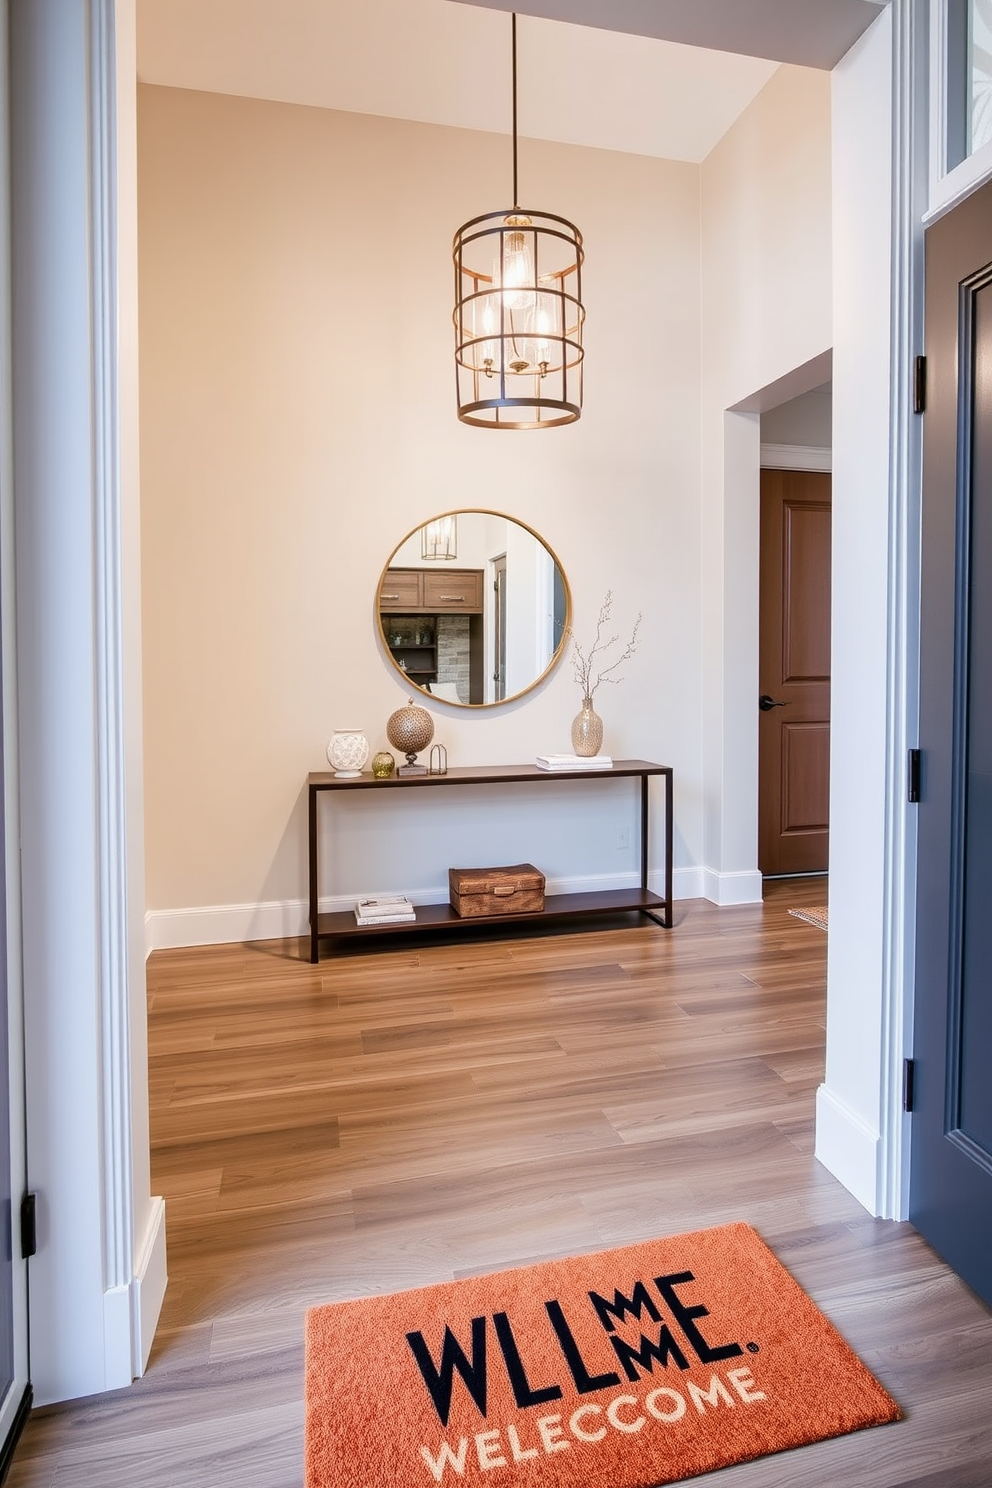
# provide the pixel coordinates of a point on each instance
(794, 673)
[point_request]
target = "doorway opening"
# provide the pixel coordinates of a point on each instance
(794, 637)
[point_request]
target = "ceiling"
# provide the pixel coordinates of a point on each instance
(814, 33)
(592, 79)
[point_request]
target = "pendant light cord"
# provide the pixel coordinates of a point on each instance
(516, 202)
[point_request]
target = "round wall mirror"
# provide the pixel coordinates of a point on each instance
(473, 608)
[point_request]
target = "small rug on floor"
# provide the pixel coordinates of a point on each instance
(623, 1369)
(816, 917)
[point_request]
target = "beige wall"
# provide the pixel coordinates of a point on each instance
(297, 418)
(766, 311)
(766, 238)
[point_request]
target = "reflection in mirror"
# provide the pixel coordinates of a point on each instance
(473, 608)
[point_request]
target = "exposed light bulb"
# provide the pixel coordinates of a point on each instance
(545, 326)
(488, 328)
(516, 276)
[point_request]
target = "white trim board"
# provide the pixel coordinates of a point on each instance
(148, 1286)
(84, 1045)
(847, 1147)
(796, 457)
(909, 189)
(725, 889)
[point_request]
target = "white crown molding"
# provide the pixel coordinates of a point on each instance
(795, 457)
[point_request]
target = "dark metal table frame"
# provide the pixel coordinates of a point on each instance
(441, 917)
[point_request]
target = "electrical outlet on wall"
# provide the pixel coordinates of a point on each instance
(623, 837)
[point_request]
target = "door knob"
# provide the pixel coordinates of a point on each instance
(765, 703)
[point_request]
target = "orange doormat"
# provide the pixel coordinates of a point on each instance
(623, 1369)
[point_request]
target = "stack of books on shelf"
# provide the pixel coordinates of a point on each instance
(386, 911)
(575, 762)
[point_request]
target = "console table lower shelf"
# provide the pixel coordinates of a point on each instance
(440, 918)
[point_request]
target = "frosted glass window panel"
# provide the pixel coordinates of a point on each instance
(960, 100)
(980, 67)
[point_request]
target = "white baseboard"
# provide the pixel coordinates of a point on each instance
(224, 924)
(117, 1371)
(847, 1147)
(732, 888)
(148, 1288)
(131, 1310)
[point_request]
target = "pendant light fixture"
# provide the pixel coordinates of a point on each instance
(439, 539)
(518, 314)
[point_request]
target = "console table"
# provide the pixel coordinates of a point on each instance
(441, 917)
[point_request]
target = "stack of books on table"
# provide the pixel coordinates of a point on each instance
(575, 762)
(390, 910)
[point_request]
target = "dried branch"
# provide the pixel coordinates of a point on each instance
(582, 661)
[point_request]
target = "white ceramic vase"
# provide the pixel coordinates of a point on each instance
(347, 752)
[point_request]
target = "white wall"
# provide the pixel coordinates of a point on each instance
(800, 421)
(97, 1279)
(766, 333)
(849, 1103)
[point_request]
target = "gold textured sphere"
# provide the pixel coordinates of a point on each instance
(410, 729)
(383, 765)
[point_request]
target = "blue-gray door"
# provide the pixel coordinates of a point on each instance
(951, 1184)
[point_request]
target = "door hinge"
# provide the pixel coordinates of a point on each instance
(913, 776)
(29, 1226)
(920, 384)
(908, 1084)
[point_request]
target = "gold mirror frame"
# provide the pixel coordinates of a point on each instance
(397, 593)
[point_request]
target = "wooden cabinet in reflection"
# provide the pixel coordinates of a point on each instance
(417, 611)
(431, 590)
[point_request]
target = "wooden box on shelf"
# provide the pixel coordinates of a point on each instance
(475, 892)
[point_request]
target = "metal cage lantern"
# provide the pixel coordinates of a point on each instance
(518, 320)
(439, 539)
(518, 314)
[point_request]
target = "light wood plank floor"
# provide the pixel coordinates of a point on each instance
(385, 1120)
